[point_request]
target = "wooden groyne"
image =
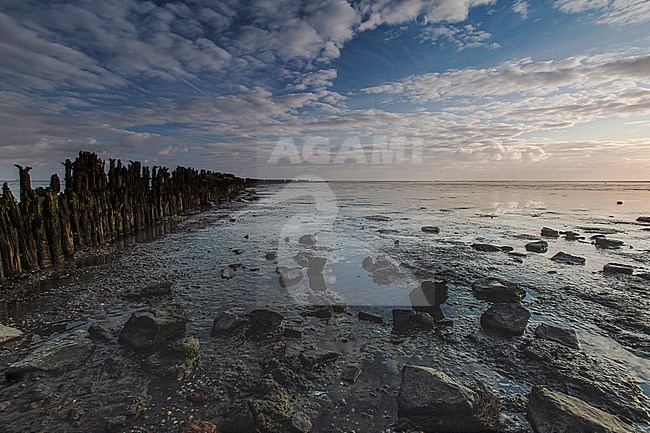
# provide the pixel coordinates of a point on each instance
(97, 206)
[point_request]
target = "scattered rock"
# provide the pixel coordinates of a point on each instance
(539, 247)
(290, 277)
(274, 412)
(409, 321)
(550, 233)
(429, 295)
(317, 358)
(506, 249)
(642, 219)
(608, 243)
(505, 319)
(486, 248)
(263, 322)
(271, 255)
(572, 236)
(150, 328)
(493, 289)
(616, 268)
(554, 412)
(370, 317)
(292, 333)
(8, 333)
(196, 426)
(379, 218)
(307, 240)
(436, 403)
(227, 323)
(568, 259)
(431, 229)
(351, 373)
(55, 356)
(566, 337)
(99, 333)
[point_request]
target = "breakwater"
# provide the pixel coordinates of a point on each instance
(96, 207)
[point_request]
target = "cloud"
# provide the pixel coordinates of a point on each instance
(609, 12)
(520, 7)
(463, 37)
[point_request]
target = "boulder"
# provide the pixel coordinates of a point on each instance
(486, 248)
(572, 236)
(550, 233)
(435, 403)
(568, 259)
(429, 295)
(566, 337)
(554, 412)
(617, 268)
(493, 289)
(431, 229)
(55, 356)
(505, 319)
(263, 322)
(408, 321)
(290, 277)
(150, 328)
(227, 323)
(609, 244)
(8, 333)
(307, 240)
(539, 247)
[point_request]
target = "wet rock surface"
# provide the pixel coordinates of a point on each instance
(497, 290)
(568, 259)
(505, 319)
(566, 337)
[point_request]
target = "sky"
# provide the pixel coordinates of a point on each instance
(334, 89)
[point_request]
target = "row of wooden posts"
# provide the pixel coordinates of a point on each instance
(48, 225)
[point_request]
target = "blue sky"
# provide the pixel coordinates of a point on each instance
(410, 89)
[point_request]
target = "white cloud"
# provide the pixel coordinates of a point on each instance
(462, 37)
(520, 7)
(609, 12)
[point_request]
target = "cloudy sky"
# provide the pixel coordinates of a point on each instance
(467, 89)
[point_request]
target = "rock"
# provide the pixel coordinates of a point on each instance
(196, 426)
(175, 362)
(620, 202)
(307, 240)
(151, 328)
(8, 333)
(379, 218)
(572, 236)
(539, 247)
(616, 268)
(303, 258)
(271, 255)
(568, 259)
(263, 322)
(435, 403)
(408, 321)
(497, 290)
(292, 333)
(486, 248)
(322, 312)
(431, 229)
(550, 233)
(608, 243)
(55, 356)
(642, 219)
(554, 412)
(370, 317)
(316, 266)
(506, 249)
(367, 263)
(317, 358)
(351, 373)
(429, 295)
(237, 251)
(239, 420)
(156, 290)
(290, 277)
(274, 412)
(227, 323)
(99, 333)
(505, 319)
(235, 266)
(226, 273)
(566, 337)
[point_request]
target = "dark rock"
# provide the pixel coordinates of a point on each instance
(322, 312)
(566, 337)
(506, 249)
(619, 202)
(554, 412)
(307, 240)
(616, 268)
(505, 319)
(431, 229)
(99, 333)
(317, 358)
(568, 259)
(55, 356)
(227, 323)
(537, 247)
(642, 219)
(237, 251)
(609, 243)
(176, 361)
(155, 290)
(644, 276)
(351, 373)
(235, 266)
(435, 403)
(486, 248)
(378, 218)
(550, 233)
(274, 412)
(409, 321)
(292, 333)
(239, 421)
(263, 322)
(316, 266)
(290, 277)
(497, 290)
(572, 236)
(150, 328)
(429, 295)
(370, 317)
(271, 255)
